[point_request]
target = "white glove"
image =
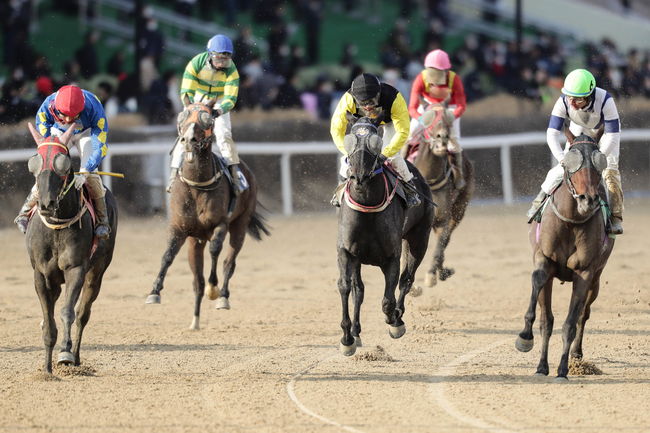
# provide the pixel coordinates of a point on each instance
(80, 179)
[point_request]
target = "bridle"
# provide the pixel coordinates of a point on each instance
(199, 115)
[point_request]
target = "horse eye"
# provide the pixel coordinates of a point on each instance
(205, 120)
(35, 164)
(61, 164)
(599, 160)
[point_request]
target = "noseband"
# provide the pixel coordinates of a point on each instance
(200, 115)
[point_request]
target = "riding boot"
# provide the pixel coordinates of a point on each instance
(172, 177)
(537, 203)
(613, 183)
(457, 169)
(236, 175)
(23, 216)
(103, 228)
(412, 196)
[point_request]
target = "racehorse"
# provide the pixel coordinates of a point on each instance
(570, 244)
(61, 247)
(372, 224)
(432, 160)
(204, 208)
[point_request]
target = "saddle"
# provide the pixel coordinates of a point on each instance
(392, 178)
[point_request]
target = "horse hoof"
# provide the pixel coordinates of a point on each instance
(347, 350)
(524, 345)
(396, 331)
(195, 324)
(357, 341)
(153, 299)
(416, 291)
(561, 379)
(222, 303)
(430, 279)
(65, 358)
(212, 292)
(446, 273)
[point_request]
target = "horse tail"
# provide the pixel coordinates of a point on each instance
(257, 226)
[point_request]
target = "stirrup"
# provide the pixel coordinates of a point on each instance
(102, 231)
(22, 221)
(335, 201)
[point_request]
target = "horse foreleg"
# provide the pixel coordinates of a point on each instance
(237, 234)
(546, 321)
(396, 326)
(216, 245)
(439, 254)
(348, 267)
(74, 280)
(581, 284)
(592, 294)
(195, 255)
(89, 293)
(47, 298)
(174, 244)
(540, 277)
(358, 290)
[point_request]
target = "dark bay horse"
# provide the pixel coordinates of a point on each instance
(570, 244)
(373, 229)
(200, 210)
(432, 160)
(61, 249)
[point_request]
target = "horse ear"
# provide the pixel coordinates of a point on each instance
(38, 138)
(63, 139)
(377, 121)
(186, 100)
(569, 135)
(211, 103)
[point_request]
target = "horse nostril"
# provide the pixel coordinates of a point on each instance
(582, 197)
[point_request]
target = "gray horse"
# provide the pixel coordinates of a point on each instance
(374, 228)
(570, 244)
(61, 246)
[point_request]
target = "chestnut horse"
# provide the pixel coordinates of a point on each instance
(202, 210)
(61, 248)
(432, 160)
(570, 244)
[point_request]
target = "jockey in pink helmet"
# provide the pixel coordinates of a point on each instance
(437, 83)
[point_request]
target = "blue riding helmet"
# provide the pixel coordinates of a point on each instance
(220, 44)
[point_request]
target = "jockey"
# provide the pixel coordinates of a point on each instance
(72, 107)
(587, 107)
(369, 97)
(437, 83)
(212, 74)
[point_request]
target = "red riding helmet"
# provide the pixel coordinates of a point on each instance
(69, 101)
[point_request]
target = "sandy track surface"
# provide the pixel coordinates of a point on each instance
(271, 363)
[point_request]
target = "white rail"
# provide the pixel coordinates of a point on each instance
(287, 150)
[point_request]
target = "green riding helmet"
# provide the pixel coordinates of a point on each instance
(579, 83)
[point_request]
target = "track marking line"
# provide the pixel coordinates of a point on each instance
(438, 389)
(305, 409)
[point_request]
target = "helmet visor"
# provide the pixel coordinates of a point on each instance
(368, 102)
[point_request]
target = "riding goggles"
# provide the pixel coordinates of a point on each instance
(60, 117)
(218, 55)
(372, 102)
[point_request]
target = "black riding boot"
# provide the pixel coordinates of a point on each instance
(412, 196)
(103, 228)
(23, 216)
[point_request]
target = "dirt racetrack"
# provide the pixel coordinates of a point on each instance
(271, 363)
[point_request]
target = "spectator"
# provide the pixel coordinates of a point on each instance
(105, 95)
(86, 55)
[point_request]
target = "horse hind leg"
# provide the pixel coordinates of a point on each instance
(437, 267)
(89, 294)
(216, 245)
(576, 307)
(396, 326)
(237, 234)
(546, 321)
(74, 280)
(415, 247)
(576, 348)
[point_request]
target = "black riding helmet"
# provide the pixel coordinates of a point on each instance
(365, 87)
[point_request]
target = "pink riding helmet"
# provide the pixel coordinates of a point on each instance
(437, 59)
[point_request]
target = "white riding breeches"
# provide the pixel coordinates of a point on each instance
(397, 161)
(555, 174)
(222, 131)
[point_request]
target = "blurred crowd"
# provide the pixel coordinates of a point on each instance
(291, 75)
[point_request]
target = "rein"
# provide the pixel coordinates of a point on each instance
(575, 195)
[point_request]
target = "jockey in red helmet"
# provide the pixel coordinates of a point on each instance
(437, 83)
(72, 107)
